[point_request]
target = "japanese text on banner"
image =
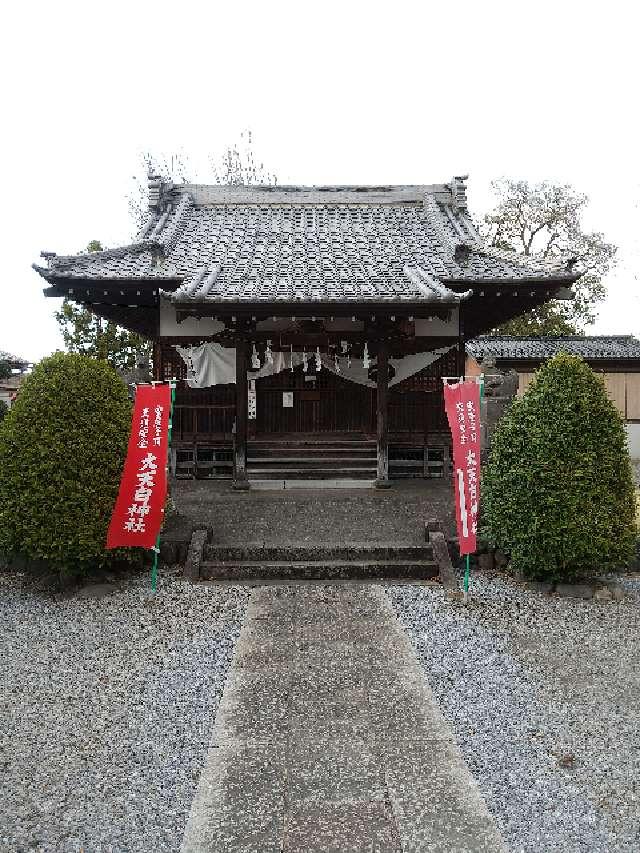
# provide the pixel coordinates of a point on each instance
(138, 512)
(462, 405)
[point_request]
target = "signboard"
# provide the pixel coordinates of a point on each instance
(462, 405)
(138, 512)
(251, 402)
(287, 399)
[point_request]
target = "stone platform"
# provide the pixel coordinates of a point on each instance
(328, 739)
(316, 517)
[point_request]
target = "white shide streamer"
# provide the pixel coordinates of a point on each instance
(212, 364)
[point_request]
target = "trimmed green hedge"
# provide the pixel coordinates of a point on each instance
(557, 491)
(62, 448)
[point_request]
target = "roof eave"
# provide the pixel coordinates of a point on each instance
(542, 281)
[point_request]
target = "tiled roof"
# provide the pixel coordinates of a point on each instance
(12, 383)
(307, 244)
(590, 347)
(12, 359)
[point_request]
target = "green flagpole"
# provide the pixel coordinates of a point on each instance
(156, 550)
(466, 576)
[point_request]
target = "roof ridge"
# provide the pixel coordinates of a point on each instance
(56, 261)
(429, 285)
(273, 194)
(553, 337)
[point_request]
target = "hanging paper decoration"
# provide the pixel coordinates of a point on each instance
(349, 361)
(366, 361)
(268, 354)
(336, 363)
(344, 345)
(318, 360)
(291, 359)
(255, 359)
(305, 363)
(191, 371)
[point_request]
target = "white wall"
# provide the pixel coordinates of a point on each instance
(633, 435)
(435, 326)
(169, 326)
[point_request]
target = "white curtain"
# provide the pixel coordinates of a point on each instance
(211, 364)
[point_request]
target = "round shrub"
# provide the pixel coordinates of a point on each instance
(62, 447)
(558, 489)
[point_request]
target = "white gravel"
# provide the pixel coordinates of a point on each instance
(107, 709)
(526, 680)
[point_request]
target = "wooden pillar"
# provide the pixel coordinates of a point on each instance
(462, 350)
(382, 481)
(157, 361)
(240, 480)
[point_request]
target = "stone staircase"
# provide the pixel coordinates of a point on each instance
(263, 563)
(315, 460)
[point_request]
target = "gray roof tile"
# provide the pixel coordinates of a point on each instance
(590, 347)
(298, 243)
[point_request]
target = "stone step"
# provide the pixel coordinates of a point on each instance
(310, 483)
(304, 453)
(248, 570)
(312, 442)
(283, 472)
(300, 552)
(310, 460)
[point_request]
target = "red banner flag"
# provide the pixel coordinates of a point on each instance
(462, 405)
(138, 512)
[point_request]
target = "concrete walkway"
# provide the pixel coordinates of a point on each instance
(328, 740)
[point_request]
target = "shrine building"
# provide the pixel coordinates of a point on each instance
(309, 328)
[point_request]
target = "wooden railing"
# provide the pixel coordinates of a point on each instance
(204, 419)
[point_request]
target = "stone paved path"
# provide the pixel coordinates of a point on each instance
(328, 739)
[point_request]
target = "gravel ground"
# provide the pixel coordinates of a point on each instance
(107, 709)
(530, 683)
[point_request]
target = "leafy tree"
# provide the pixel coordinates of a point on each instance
(62, 447)
(86, 333)
(546, 220)
(558, 490)
(5, 369)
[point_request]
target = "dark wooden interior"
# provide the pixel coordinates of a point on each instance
(325, 405)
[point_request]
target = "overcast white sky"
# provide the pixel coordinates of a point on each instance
(346, 92)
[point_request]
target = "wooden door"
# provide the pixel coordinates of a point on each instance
(324, 404)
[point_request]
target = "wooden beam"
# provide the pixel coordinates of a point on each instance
(240, 480)
(382, 481)
(360, 309)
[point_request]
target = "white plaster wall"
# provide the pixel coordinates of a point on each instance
(207, 326)
(437, 327)
(633, 435)
(198, 328)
